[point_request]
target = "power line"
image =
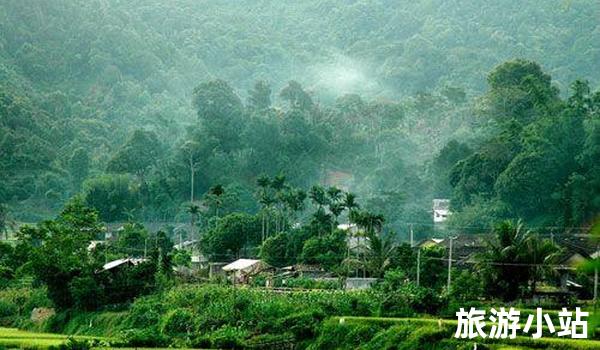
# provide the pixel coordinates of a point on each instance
(430, 224)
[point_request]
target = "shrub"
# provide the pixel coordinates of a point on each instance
(228, 337)
(147, 337)
(145, 312)
(406, 299)
(389, 338)
(471, 287)
(72, 344)
(8, 309)
(270, 341)
(86, 293)
(303, 325)
(177, 322)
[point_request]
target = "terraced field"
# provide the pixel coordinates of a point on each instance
(520, 343)
(15, 338)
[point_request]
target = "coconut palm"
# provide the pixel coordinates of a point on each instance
(515, 260)
(379, 253)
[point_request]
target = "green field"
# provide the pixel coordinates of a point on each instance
(521, 342)
(15, 338)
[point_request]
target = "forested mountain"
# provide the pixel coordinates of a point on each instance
(380, 47)
(125, 101)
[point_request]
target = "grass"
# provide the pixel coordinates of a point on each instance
(521, 342)
(15, 338)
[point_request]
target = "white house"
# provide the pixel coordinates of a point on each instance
(441, 210)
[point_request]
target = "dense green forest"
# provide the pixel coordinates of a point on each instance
(124, 102)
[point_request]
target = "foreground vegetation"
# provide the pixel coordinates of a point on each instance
(147, 304)
(215, 316)
(418, 333)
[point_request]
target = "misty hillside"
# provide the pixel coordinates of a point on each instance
(386, 47)
(86, 82)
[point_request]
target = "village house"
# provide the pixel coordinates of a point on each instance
(464, 247)
(120, 263)
(441, 210)
(304, 271)
(242, 270)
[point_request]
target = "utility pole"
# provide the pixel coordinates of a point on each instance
(412, 241)
(596, 279)
(450, 265)
(419, 267)
(595, 285)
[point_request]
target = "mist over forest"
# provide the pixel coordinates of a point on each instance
(400, 102)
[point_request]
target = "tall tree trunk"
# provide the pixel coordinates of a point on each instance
(268, 222)
(192, 180)
(262, 227)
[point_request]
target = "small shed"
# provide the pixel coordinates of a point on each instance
(242, 269)
(303, 270)
(430, 242)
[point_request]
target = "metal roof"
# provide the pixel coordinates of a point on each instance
(119, 262)
(240, 264)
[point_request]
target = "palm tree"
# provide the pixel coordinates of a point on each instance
(379, 253)
(516, 258)
(334, 194)
(542, 254)
(294, 201)
(216, 193)
(320, 221)
(350, 201)
(370, 224)
(336, 206)
(318, 196)
(352, 206)
(336, 210)
(278, 184)
(265, 200)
